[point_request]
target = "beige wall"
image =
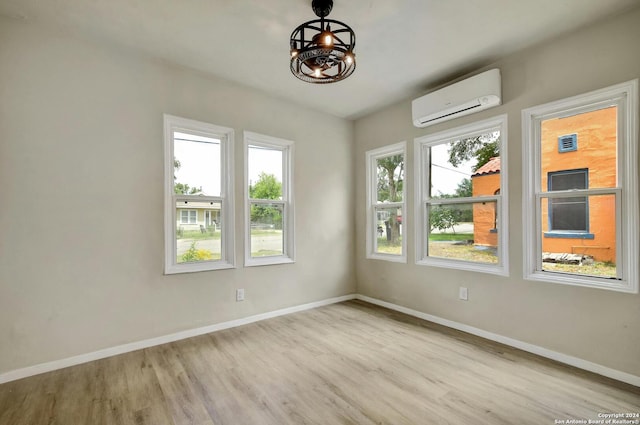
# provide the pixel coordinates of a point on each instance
(81, 150)
(596, 325)
(81, 199)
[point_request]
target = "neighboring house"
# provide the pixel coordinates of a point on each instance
(577, 154)
(191, 216)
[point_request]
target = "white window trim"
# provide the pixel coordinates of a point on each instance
(625, 96)
(287, 148)
(227, 216)
(372, 195)
(421, 157)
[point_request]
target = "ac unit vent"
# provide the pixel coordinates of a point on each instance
(474, 94)
(458, 111)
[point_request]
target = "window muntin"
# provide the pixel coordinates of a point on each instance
(385, 237)
(198, 196)
(269, 200)
(591, 248)
(460, 198)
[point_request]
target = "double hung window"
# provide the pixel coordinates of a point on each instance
(198, 196)
(269, 211)
(580, 190)
(386, 205)
(461, 206)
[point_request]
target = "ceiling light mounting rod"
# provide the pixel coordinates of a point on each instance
(322, 49)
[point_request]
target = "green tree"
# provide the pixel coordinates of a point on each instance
(481, 148)
(390, 188)
(443, 218)
(267, 187)
(185, 189)
(464, 189)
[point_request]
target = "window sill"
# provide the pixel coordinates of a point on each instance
(204, 266)
(500, 270)
(584, 281)
(394, 258)
(267, 261)
(569, 235)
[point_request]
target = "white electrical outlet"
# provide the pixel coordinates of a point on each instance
(239, 294)
(464, 293)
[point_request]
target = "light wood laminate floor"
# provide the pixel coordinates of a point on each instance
(348, 363)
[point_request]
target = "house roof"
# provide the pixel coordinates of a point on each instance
(491, 167)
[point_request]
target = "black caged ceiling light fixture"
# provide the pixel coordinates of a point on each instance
(322, 49)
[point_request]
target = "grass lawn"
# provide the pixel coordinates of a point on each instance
(451, 236)
(438, 247)
(595, 269)
(265, 232)
(266, 253)
(198, 235)
(386, 247)
(461, 252)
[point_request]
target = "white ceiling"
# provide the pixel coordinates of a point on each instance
(403, 46)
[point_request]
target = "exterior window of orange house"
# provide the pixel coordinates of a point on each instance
(461, 200)
(579, 180)
(569, 217)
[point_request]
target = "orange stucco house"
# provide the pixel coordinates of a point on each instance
(486, 181)
(576, 153)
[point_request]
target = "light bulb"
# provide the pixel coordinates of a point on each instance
(349, 59)
(328, 40)
(317, 72)
(294, 53)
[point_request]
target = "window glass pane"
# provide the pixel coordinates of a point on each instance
(466, 167)
(196, 238)
(265, 172)
(588, 247)
(464, 232)
(594, 147)
(267, 236)
(196, 164)
(567, 180)
(390, 178)
(389, 230)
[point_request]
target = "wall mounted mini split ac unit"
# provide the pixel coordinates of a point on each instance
(465, 97)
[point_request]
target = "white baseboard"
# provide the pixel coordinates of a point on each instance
(138, 345)
(535, 349)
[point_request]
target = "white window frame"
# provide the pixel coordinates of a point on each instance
(227, 216)
(372, 157)
(288, 219)
(422, 196)
(625, 97)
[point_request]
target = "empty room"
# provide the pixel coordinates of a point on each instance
(319, 212)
